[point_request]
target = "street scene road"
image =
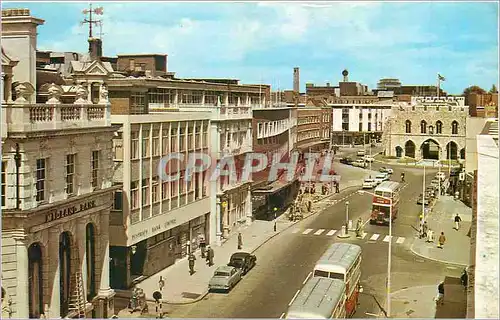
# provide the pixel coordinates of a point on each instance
(285, 262)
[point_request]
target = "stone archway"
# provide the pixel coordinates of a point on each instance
(452, 150)
(410, 149)
(430, 149)
(399, 152)
(462, 153)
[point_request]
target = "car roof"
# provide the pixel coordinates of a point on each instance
(224, 269)
(240, 255)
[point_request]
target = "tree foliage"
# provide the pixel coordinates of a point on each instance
(493, 89)
(474, 89)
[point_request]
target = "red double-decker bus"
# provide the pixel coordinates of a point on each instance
(382, 207)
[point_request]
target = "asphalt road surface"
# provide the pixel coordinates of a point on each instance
(285, 262)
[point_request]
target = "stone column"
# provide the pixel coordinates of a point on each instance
(54, 271)
(226, 98)
(82, 249)
(4, 82)
(22, 292)
(218, 232)
(105, 294)
(8, 90)
(248, 207)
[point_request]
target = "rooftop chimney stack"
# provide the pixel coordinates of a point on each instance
(296, 80)
(95, 48)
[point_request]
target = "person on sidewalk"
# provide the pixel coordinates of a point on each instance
(191, 260)
(441, 240)
(440, 296)
(210, 256)
(202, 243)
(240, 241)
(430, 236)
(457, 222)
(425, 227)
(337, 187)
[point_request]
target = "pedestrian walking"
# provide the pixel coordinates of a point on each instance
(441, 240)
(464, 278)
(420, 231)
(191, 260)
(457, 222)
(430, 236)
(240, 241)
(210, 256)
(202, 243)
(425, 227)
(440, 295)
(337, 187)
(359, 226)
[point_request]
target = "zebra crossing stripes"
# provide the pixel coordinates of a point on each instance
(319, 232)
(331, 232)
(386, 238)
(307, 231)
(363, 235)
(400, 240)
(374, 237)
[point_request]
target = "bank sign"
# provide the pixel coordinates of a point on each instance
(69, 211)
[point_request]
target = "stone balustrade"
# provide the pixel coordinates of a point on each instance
(40, 117)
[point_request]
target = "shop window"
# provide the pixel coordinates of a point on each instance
(40, 179)
(70, 174)
(94, 163)
(35, 281)
(64, 272)
(91, 272)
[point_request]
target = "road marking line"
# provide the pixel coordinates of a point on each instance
(386, 239)
(307, 278)
(374, 237)
(282, 315)
(364, 235)
(400, 240)
(296, 230)
(331, 232)
(295, 296)
(307, 231)
(371, 314)
(320, 231)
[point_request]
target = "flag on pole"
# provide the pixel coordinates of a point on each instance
(441, 78)
(99, 10)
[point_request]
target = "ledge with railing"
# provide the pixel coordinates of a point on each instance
(39, 117)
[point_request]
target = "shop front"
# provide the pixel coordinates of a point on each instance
(158, 243)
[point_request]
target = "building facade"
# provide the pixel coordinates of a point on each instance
(275, 136)
(313, 128)
(428, 129)
(56, 187)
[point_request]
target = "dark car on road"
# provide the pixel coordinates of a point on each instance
(346, 160)
(243, 261)
(421, 199)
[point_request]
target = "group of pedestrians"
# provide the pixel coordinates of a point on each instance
(207, 253)
(425, 231)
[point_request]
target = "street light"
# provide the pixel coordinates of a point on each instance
(423, 187)
(389, 253)
(347, 217)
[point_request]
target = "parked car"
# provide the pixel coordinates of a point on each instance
(346, 160)
(441, 175)
(435, 183)
(369, 183)
(224, 278)
(381, 177)
(361, 153)
(386, 170)
(421, 198)
(369, 158)
(243, 261)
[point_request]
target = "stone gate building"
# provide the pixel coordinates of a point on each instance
(429, 128)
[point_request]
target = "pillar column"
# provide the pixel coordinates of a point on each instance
(22, 292)
(89, 92)
(105, 294)
(4, 82)
(82, 249)
(54, 267)
(8, 92)
(248, 207)
(218, 232)
(226, 99)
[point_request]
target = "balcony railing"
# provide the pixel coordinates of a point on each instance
(219, 112)
(39, 117)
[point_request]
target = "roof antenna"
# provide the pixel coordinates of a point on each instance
(90, 21)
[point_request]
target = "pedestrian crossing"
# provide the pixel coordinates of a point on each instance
(375, 237)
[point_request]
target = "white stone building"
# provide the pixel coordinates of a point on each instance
(56, 186)
(429, 130)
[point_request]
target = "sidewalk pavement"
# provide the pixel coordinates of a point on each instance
(456, 249)
(181, 288)
(418, 302)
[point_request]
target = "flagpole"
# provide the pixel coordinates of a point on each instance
(439, 85)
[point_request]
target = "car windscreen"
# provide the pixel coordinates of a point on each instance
(221, 274)
(237, 262)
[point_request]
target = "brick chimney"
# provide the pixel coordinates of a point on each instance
(95, 48)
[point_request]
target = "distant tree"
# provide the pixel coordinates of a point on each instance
(493, 89)
(473, 89)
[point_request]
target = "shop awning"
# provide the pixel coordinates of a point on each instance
(272, 187)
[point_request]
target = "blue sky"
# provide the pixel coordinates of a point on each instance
(261, 42)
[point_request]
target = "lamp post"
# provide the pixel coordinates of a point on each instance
(439, 170)
(389, 252)
(347, 217)
(423, 189)
(275, 210)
